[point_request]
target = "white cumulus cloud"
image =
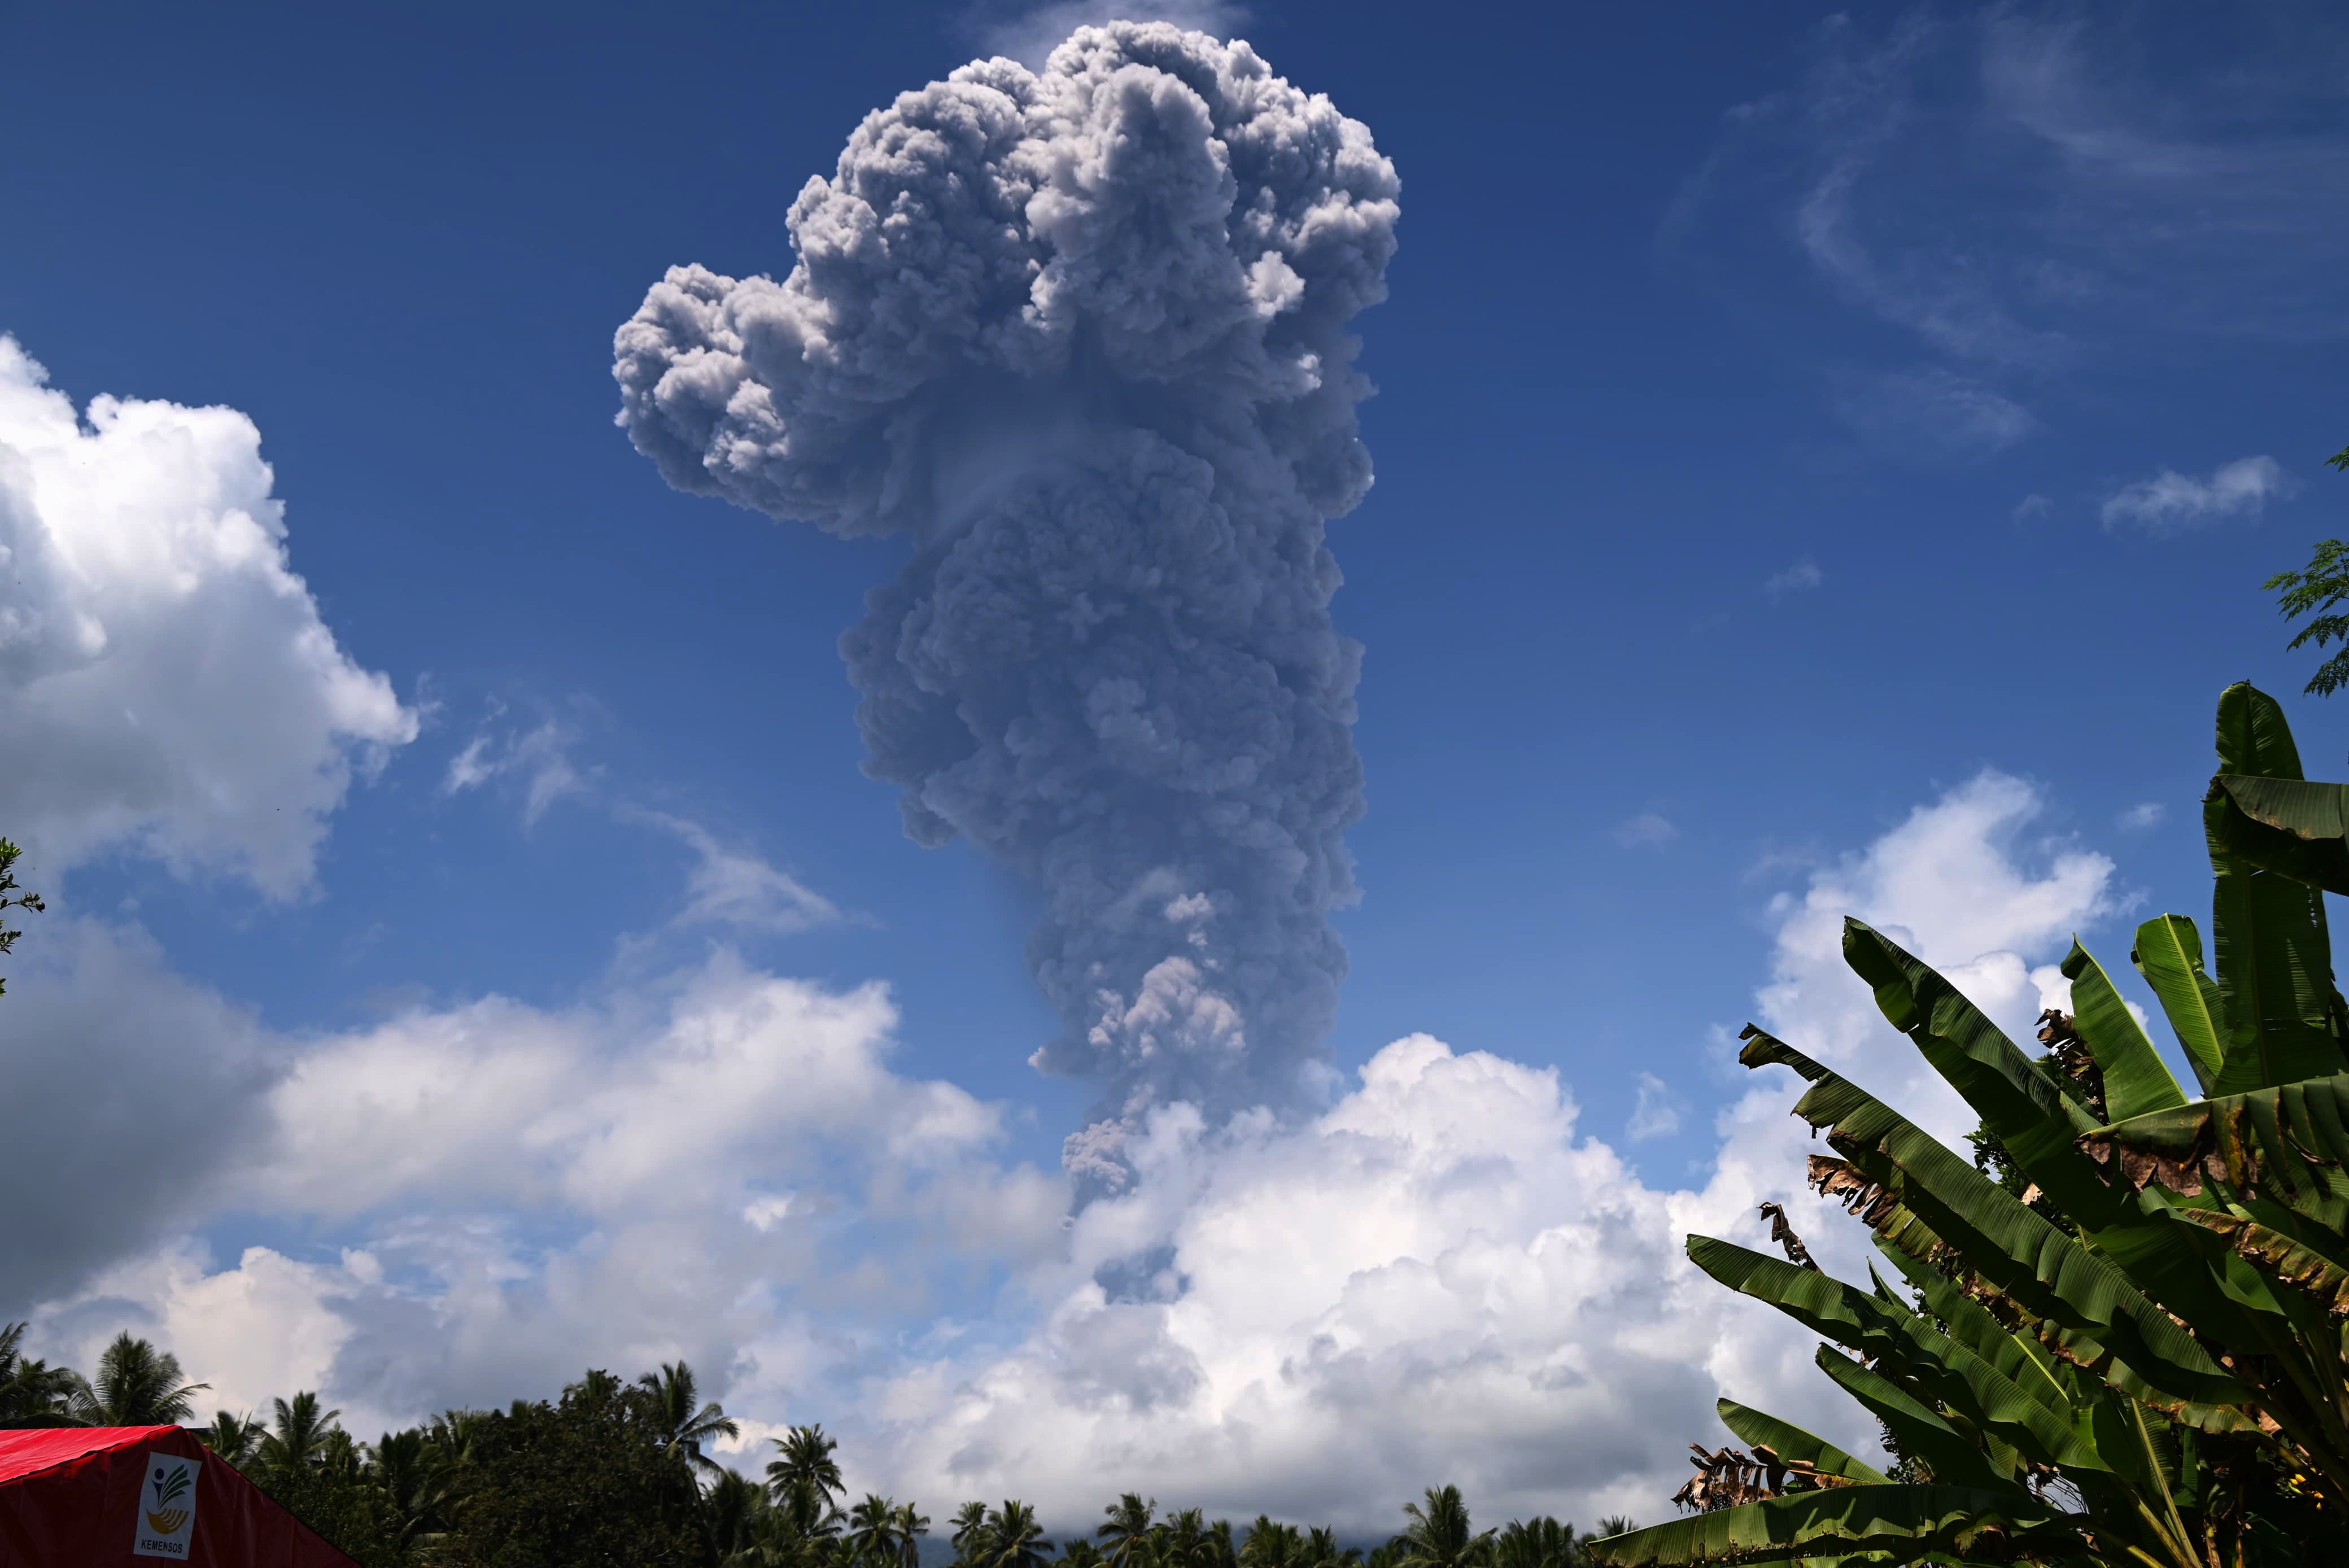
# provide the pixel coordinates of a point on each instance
(703, 1166)
(166, 680)
(652, 1102)
(1239, 1329)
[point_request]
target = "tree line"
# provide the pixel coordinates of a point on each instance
(620, 1472)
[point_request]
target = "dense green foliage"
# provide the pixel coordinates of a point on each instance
(2116, 1336)
(591, 1480)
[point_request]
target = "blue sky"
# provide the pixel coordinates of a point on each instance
(1783, 417)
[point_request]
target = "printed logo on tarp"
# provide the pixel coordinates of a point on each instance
(167, 1507)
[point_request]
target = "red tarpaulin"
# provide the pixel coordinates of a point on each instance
(129, 1497)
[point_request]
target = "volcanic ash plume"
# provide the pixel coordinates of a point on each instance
(1082, 337)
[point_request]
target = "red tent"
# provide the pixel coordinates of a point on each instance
(122, 1497)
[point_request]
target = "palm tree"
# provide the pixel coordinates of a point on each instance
(970, 1532)
(1015, 1538)
(298, 1439)
(1540, 1541)
(340, 1457)
(1220, 1551)
(450, 1434)
(731, 1513)
(233, 1438)
(32, 1392)
(137, 1386)
(1321, 1549)
(1125, 1530)
(804, 1516)
(1182, 1540)
(594, 1386)
(872, 1530)
(419, 1473)
(1439, 1535)
(1269, 1544)
(806, 1460)
(912, 1524)
(1081, 1554)
(688, 1423)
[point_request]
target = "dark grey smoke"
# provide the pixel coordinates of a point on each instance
(1082, 337)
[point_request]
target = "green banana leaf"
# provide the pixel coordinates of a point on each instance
(1974, 1459)
(1964, 1046)
(1869, 1188)
(2049, 1273)
(2288, 1144)
(2040, 1127)
(2267, 932)
(2289, 826)
(2168, 953)
(2287, 1259)
(2039, 1124)
(2131, 1469)
(1761, 1429)
(2079, 1351)
(2137, 1080)
(1907, 1522)
(2275, 967)
(2019, 1357)
(2253, 735)
(2046, 1271)
(1818, 1301)
(2037, 1422)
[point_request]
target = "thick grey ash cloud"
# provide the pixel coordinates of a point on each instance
(1081, 336)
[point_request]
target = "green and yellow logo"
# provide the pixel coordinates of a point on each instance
(169, 1487)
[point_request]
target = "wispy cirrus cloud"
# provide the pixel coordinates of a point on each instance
(1927, 409)
(2171, 503)
(1800, 578)
(2022, 197)
(1648, 830)
(536, 755)
(1655, 1113)
(730, 885)
(727, 884)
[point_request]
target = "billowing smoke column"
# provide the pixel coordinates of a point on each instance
(1082, 337)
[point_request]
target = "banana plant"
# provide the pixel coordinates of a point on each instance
(2112, 1365)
